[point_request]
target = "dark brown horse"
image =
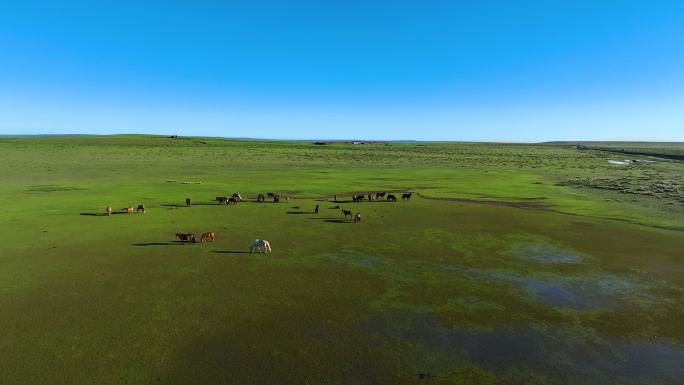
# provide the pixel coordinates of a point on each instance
(317, 208)
(347, 212)
(276, 198)
(188, 202)
(380, 195)
(189, 237)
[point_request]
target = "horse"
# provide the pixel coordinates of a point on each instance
(222, 200)
(357, 217)
(140, 208)
(208, 236)
(357, 198)
(260, 245)
(370, 197)
(189, 237)
(380, 195)
(108, 210)
(406, 196)
(346, 212)
(316, 209)
(287, 198)
(188, 202)
(260, 198)
(391, 198)
(237, 197)
(232, 201)
(270, 195)
(276, 198)
(128, 210)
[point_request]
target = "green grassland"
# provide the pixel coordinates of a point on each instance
(511, 264)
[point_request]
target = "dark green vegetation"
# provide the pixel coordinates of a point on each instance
(526, 270)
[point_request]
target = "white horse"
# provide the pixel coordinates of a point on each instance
(260, 245)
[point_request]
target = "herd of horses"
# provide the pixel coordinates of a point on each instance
(262, 245)
(380, 196)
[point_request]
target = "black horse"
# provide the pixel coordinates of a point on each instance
(406, 196)
(391, 198)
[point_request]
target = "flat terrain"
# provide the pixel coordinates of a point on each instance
(511, 264)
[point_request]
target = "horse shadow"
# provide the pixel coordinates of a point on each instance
(296, 212)
(339, 221)
(102, 214)
(153, 244)
(230, 252)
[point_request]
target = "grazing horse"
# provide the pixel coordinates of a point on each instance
(208, 236)
(140, 208)
(357, 217)
(276, 198)
(380, 195)
(109, 210)
(391, 198)
(237, 197)
(270, 195)
(128, 210)
(222, 200)
(260, 198)
(232, 201)
(189, 237)
(188, 202)
(260, 245)
(316, 209)
(346, 212)
(370, 197)
(358, 198)
(406, 196)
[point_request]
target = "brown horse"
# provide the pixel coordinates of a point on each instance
(380, 195)
(128, 210)
(208, 236)
(188, 202)
(347, 212)
(189, 237)
(108, 210)
(316, 209)
(141, 208)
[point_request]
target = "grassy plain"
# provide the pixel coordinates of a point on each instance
(512, 264)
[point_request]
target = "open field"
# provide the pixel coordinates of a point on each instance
(511, 264)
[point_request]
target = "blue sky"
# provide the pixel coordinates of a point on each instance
(430, 70)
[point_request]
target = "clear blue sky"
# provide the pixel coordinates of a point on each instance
(504, 70)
